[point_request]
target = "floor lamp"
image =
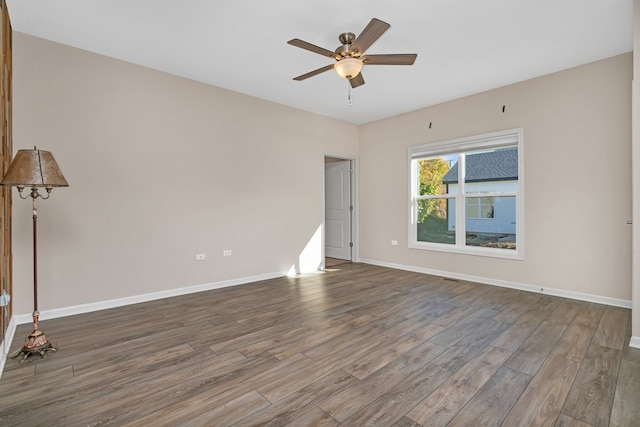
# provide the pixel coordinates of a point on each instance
(34, 168)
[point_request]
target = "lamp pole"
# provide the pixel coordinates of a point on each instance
(34, 195)
(37, 342)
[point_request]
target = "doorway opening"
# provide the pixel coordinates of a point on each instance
(339, 211)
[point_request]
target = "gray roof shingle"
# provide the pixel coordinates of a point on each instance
(497, 165)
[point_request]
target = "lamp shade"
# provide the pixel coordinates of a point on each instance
(34, 168)
(348, 68)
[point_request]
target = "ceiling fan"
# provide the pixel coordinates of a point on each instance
(350, 55)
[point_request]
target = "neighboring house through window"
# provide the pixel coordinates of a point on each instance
(466, 195)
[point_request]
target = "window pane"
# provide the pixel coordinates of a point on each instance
(436, 221)
(472, 207)
(492, 171)
(486, 200)
(486, 211)
(436, 174)
(495, 226)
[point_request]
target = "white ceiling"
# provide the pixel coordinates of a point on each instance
(463, 46)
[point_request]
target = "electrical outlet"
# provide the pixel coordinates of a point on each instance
(226, 252)
(394, 242)
(200, 257)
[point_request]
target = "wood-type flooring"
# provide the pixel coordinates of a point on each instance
(355, 345)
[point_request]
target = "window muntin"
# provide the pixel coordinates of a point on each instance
(480, 175)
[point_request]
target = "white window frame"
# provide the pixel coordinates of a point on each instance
(493, 140)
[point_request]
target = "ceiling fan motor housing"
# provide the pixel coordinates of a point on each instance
(347, 40)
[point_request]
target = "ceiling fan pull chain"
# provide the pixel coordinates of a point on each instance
(349, 96)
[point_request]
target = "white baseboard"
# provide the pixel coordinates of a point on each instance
(6, 343)
(119, 302)
(634, 342)
(505, 284)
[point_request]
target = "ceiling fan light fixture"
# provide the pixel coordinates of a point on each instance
(348, 68)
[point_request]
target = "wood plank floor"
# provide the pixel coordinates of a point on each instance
(356, 345)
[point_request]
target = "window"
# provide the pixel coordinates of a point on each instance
(466, 195)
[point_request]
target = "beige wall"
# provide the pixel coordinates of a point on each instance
(160, 168)
(577, 132)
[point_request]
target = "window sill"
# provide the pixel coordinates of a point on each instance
(469, 250)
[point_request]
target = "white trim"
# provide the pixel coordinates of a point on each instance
(6, 344)
(635, 201)
(119, 302)
(487, 140)
(467, 250)
(355, 199)
(598, 299)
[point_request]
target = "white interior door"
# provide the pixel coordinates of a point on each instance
(338, 209)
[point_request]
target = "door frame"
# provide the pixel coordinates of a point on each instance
(355, 201)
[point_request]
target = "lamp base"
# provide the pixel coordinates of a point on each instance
(36, 343)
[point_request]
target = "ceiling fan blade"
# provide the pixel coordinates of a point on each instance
(314, 72)
(312, 47)
(369, 35)
(390, 59)
(356, 81)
